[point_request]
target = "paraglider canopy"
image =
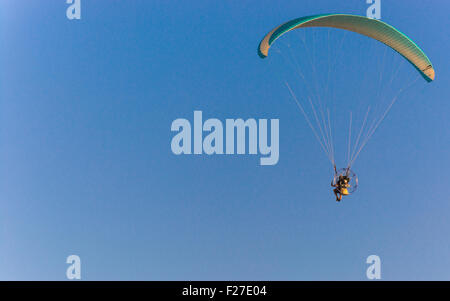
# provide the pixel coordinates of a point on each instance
(372, 28)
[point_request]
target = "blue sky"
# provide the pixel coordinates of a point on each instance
(86, 165)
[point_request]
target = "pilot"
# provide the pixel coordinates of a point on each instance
(341, 187)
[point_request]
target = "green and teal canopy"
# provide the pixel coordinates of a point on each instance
(372, 28)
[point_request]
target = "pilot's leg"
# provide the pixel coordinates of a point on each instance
(337, 194)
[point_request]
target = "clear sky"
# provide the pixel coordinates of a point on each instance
(86, 166)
